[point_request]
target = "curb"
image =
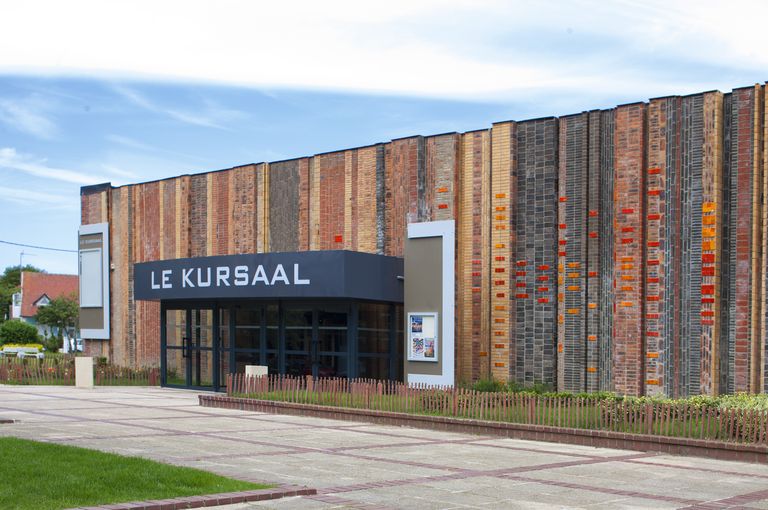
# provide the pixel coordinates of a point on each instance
(752, 453)
(206, 500)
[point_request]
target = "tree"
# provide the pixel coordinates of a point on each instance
(63, 315)
(10, 281)
(18, 332)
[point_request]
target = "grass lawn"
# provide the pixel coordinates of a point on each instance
(39, 476)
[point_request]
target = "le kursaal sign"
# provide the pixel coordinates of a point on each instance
(314, 274)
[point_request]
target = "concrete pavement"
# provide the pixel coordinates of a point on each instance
(358, 465)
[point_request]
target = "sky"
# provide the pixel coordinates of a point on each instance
(94, 91)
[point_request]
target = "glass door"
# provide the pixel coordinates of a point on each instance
(331, 343)
(189, 348)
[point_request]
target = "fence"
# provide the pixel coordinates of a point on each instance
(61, 371)
(617, 415)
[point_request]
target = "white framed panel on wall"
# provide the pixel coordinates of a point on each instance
(91, 279)
(423, 342)
(93, 273)
(444, 354)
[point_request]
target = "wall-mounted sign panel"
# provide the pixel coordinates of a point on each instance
(93, 272)
(422, 337)
(429, 285)
(312, 274)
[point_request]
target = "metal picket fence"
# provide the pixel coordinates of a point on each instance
(680, 420)
(61, 371)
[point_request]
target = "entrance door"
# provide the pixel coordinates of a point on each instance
(190, 348)
(316, 340)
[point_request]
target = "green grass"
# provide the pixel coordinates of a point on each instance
(38, 476)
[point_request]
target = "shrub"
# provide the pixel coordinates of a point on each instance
(489, 385)
(52, 343)
(15, 331)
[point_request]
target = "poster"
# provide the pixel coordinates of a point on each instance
(422, 337)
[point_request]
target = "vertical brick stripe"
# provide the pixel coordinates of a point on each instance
(502, 289)
(535, 321)
(629, 191)
(572, 279)
(661, 139)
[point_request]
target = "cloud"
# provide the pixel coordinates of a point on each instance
(120, 172)
(28, 115)
(36, 198)
(457, 49)
(13, 160)
(210, 114)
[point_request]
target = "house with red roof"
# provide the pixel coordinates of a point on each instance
(38, 289)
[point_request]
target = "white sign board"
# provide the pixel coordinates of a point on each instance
(422, 337)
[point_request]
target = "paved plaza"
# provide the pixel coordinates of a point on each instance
(359, 465)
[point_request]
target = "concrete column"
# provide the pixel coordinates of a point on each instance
(84, 372)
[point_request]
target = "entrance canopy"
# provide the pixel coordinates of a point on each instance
(310, 274)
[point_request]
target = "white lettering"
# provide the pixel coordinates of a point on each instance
(185, 281)
(152, 281)
(296, 279)
(241, 276)
(260, 276)
(167, 279)
(280, 275)
(222, 276)
(200, 281)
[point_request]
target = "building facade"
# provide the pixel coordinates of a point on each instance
(622, 249)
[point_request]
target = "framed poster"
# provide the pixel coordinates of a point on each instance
(422, 337)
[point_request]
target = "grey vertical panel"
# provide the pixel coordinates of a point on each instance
(690, 262)
(673, 244)
(381, 190)
(575, 153)
(284, 206)
(592, 269)
(607, 173)
(424, 211)
(536, 334)
(728, 271)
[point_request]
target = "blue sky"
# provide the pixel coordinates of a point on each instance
(94, 92)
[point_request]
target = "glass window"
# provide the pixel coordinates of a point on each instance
(298, 339)
(298, 318)
(373, 316)
(373, 367)
(332, 366)
(175, 367)
(333, 340)
(224, 318)
(246, 358)
(272, 363)
(272, 317)
(202, 328)
(331, 319)
(248, 316)
(175, 327)
(298, 364)
(248, 338)
(373, 342)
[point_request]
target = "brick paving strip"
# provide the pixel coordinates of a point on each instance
(204, 500)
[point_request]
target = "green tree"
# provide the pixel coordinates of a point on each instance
(10, 281)
(61, 314)
(18, 332)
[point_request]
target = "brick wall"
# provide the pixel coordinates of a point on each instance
(629, 238)
(618, 249)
